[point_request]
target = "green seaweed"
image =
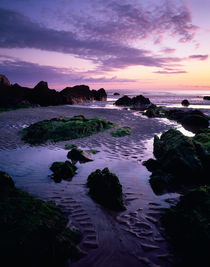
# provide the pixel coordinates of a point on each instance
(64, 128)
(33, 232)
(106, 189)
(188, 226)
(121, 132)
(93, 151)
(70, 146)
(63, 170)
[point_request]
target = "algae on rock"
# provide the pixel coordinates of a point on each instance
(33, 232)
(106, 189)
(64, 128)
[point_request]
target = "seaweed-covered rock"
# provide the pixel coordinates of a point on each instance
(188, 226)
(180, 161)
(106, 189)
(79, 155)
(33, 232)
(185, 103)
(154, 111)
(121, 132)
(63, 170)
(64, 128)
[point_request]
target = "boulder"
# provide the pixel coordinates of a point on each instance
(4, 80)
(123, 101)
(185, 103)
(116, 94)
(206, 97)
(140, 100)
(79, 155)
(63, 170)
(180, 161)
(99, 95)
(106, 189)
(77, 94)
(195, 122)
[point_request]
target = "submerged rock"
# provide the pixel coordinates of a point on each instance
(64, 128)
(188, 226)
(63, 170)
(180, 161)
(185, 103)
(79, 155)
(33, 232)
(106, 189)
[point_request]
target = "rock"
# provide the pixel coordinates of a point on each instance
(77, 94)
(99, 95)
(188, 226)
(63, 170)
(64, 128)
(6, 182)
(30, 228)
(206, 97)
(136, 102)
(79, 155)
(121, 132)
(4, 80)
(123, 101)
(185, 103)
(140, 100)
(180, 161)
(106, 189)
(195, 122)
(116, 94)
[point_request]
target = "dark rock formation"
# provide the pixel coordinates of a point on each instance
(123, 101)
(99, 95)
(185, 103)
(79, 155)
(12, 96)
(4, 81)
(192, 120)
(206, 97)
(116, 93)
(188, 226)
(33, 232)
(63, 170)
(77, 94)
(106, 189)
(180, 160)
(136, 102)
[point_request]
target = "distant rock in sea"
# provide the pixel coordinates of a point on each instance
(185, 103)
(206, 97)
(14, 95)
(136, 102)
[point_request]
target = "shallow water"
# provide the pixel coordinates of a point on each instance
(110, 239)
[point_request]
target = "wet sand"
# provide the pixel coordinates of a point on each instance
(133, 237)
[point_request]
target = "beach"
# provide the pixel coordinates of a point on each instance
(133, 237)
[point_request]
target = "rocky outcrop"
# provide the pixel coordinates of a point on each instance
(185, 103)
(180, 161)
(99, 95)
(206, 97)
(116, 94)
(63, 170)
(33, 232)
(4, 81)
(79, 155)
(192, 120)
(77, 94)
(12, 96)
(136, 102)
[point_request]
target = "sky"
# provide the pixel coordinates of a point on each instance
(114, 44)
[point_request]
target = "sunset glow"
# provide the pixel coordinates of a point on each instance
(131, 45)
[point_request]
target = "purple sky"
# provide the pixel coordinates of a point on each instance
(131, 44)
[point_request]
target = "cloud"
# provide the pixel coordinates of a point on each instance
(168, 50)
(26, 73)
(170, 72)
(199, 57)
